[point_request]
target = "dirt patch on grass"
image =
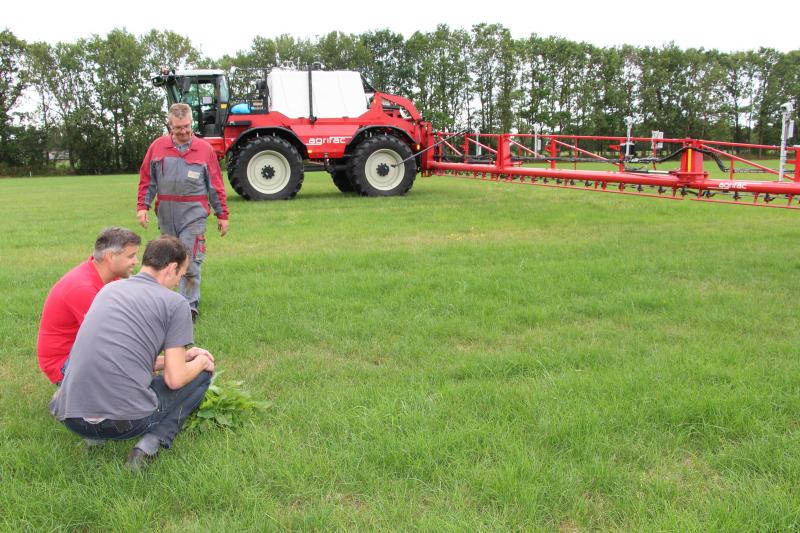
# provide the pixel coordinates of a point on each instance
(568, 526)
(688, 472)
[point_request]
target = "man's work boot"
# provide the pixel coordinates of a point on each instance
(138, 460)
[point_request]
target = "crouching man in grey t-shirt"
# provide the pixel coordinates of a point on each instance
(109, 389)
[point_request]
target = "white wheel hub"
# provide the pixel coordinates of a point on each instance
(268, 172)
(384, 169)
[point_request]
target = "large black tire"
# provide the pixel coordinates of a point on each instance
(232, 160)
(342, 181)
(266, 168)
(376, 168)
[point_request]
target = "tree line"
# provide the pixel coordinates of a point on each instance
(89, 107)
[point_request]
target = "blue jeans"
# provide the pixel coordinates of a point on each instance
(174, 407)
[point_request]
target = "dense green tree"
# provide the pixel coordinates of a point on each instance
(25, 149)
(120, 77)
(386, 66)
(564, 66)
(72, 89)
(40, 64)
(93, 99)
(13, 80)
(767, 99)
(483, 66)
(612, 90)
(338, 51)
(301, 52)
(664, 90)
(440, 73)
(738, 88)
(533, 85)
(494, 68)
(780, 83)
(167, 49)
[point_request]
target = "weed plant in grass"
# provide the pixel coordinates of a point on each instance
(472, 356)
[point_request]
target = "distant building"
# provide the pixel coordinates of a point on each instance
(58, 155)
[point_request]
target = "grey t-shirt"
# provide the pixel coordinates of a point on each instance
(110, 367)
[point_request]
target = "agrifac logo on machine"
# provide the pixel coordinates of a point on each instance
(319, 141)
(736, 185)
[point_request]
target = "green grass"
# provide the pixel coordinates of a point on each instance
(472, 356)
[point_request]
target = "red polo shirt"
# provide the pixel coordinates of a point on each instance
(62, 316)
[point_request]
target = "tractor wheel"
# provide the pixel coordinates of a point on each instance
(232, 160)
(341, 181)
(377, 168)
(266, 168)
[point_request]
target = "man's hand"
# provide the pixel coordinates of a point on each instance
(195, 351)
(180, 370)
(209, 364)
(222, 224)
(143, 217)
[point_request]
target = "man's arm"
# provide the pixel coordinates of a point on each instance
(191, 353)
(194, 351)
(178, 371)
(146, 189)
(216, 193)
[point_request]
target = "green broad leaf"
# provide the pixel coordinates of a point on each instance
(226, 405)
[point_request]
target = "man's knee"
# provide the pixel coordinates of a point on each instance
(193, 270)
(203, 380)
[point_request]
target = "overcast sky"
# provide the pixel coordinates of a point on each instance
(219, 28)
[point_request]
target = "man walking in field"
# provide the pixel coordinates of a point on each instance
(109, 390)
(181, 174)
(115, 255)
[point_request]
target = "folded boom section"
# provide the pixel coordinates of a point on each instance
(650, 166)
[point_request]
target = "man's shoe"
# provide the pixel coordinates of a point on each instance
(195, 314)
(138, 460)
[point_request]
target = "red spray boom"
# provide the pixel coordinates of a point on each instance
(519, 158)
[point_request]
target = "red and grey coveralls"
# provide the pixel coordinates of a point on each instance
(184, 185)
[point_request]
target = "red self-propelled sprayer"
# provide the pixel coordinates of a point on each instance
(375, 144)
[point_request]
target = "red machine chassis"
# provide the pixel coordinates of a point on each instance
(326, 138)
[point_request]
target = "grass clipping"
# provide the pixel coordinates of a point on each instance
(226, 406)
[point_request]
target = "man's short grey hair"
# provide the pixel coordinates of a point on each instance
(179, 111)
(114, 240)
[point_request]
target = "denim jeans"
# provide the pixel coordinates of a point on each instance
(174, 407)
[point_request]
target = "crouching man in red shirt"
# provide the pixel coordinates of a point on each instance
(115, 255)
(109, 390)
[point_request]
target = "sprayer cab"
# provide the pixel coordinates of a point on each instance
(205, 91)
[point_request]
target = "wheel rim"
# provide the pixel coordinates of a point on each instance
(384, 169)
(268, 172)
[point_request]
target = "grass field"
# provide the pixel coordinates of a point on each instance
(470, 357)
